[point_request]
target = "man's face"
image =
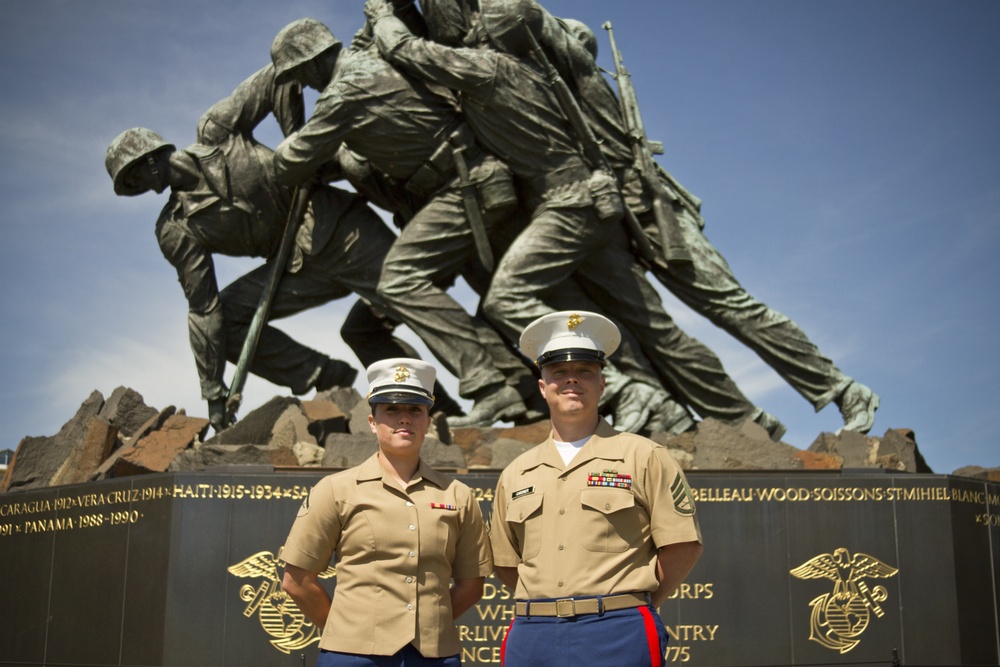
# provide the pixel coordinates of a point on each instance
(317, 72)
(400, 427)
(308, 74)
(150, 173)
(572, 387)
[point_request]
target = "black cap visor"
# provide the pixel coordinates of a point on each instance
(571, 354)
(394, 395)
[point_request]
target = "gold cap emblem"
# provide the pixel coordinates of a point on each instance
(574, 321)
(402, 374)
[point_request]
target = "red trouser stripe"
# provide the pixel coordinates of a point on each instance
(652, 637)
(503, 644)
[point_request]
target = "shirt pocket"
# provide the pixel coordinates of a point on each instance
(524, 515)
(446, 525)
(610, 522)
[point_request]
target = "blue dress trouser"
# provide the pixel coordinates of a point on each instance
(407, 656)
(622, 638)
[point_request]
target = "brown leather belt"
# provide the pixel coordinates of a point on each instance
(568, 607)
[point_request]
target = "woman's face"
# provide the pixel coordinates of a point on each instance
(400, 427)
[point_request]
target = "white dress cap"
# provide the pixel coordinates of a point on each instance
(401, 380)
(570, 335)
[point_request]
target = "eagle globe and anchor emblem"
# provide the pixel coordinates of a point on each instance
(279, 616)
(839, 618)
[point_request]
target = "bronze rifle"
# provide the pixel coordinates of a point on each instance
(295, 215)
(674, 248)
(591, 147)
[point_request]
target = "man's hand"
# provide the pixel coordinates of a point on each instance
(377, 9)
(217, 414)
(363, 38)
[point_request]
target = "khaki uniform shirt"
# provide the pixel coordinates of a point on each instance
(592, 527)
(396, 553)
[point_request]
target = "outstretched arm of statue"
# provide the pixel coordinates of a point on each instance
(299, 157)
(252, 101)
(305, 590)
(456, 68)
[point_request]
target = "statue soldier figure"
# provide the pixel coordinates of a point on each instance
(224, 199)
(407, 130)
(515, 115)
(704, 282)
(439, 240)
(366, 329)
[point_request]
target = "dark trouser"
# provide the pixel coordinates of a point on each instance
(506, 356)
(405, 657)
(624, 638)
(432, 250)
(350, 262)
(368, 331)
(570, 242)
(709, 287)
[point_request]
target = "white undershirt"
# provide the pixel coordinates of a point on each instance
(567, 450)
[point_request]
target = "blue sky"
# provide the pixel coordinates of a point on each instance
(846, 152)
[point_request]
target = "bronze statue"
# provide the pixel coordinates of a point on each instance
(406, 129)
(697, 274)
(704, 280)
(224, 199)
(455, 203)
(515, 115)
(489, 132)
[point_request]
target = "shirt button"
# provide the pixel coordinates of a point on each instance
(411, 526)
(409, 580)
(562, 511)
(410, 607)
(409, 504)
(412, 554)
(607, 506)
(560, 582)
(561, 547)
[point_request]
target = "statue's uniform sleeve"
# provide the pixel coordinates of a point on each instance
(196, 273)
(248, 105)
(303, 153)
(465, 70)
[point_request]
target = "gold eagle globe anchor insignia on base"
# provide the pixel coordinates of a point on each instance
(280, 617)
(839, 618)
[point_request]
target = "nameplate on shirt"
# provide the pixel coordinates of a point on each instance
(523, 492)
(610, 478)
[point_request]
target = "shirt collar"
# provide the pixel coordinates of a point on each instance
(371, 470)
(603, 444)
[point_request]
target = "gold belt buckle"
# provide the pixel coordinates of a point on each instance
(565, 607)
